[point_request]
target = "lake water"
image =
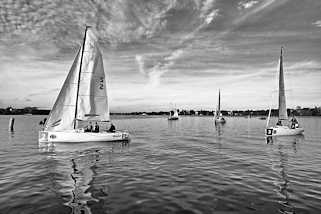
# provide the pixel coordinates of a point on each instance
(184, 166)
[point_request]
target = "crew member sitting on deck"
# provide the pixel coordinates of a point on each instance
(89, 128)
(112, 128)
(96, 128)
(294, 123)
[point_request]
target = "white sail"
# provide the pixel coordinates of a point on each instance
(175, 113)
(218, 110)
(63, 112)
(92, 98)
(282, 105)
(92, 103)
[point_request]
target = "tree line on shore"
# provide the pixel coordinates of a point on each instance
(316, 111)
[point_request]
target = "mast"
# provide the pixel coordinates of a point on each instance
(282, 104)
(219, 103)
(78, 83)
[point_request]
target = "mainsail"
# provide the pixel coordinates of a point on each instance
(175, 113)
(92, 98)
(282, 106)
(218, 110)
(91, 102)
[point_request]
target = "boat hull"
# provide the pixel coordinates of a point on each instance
(173, 118)
(78, 136)
(219, 120)
(283, 131)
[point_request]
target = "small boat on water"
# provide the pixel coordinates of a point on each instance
(283, 127)
(218, 117)
(173, 115)
(82, 100)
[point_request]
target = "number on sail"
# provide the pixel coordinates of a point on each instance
(101, 83)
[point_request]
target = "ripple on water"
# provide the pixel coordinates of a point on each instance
(188, 166)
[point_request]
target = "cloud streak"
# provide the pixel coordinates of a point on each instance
(183, 49)
(246, 4)
(207, 14)
(317, 23)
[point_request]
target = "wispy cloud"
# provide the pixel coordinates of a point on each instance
(207, 15)
(246, 4)
(208, 12)
(255, 10)
(317, 23)
(191, 47)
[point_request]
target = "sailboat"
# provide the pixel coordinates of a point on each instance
(283, 126)
(218, 117)
(82, 99)
(173, 115)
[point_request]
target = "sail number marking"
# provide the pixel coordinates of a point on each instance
(101, 83)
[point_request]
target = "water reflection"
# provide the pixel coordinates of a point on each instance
(284, 144)
(219, 128)
(11, 135)
(82, 175)
(285, 139)
(173, 125)
(77, 172)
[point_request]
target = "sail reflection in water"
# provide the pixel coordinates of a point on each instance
(285, 145)
(78, 170)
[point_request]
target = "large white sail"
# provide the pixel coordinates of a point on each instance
(63, 112)
(282, 105)
(92, 103)
(92, 98)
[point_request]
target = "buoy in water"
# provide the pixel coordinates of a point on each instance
(11, 124)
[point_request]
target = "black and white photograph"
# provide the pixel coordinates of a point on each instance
(160, 106)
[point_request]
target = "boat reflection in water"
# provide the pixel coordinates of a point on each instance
(219, 128)
(286, 147)
(285, 139)
(75, 173)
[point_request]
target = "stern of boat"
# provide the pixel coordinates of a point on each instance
(125, 135)
(43, 136)
(269, 132)
(283, 131)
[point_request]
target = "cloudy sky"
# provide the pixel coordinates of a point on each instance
(158, 52)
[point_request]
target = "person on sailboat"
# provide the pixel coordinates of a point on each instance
(112, 128)
(89, 128)
(43, 122)
(294, 123)
(96, 128)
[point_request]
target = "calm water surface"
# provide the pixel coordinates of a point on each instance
(184, 166)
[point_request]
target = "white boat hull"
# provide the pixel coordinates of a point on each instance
(283, 131)
(78, 136)
(219, 120)
(173, 118)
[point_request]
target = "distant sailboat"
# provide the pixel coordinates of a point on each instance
(283, 127)
(218, 117)
(83, 97)
(173, 115)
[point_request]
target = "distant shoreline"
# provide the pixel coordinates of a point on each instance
(316, 111)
